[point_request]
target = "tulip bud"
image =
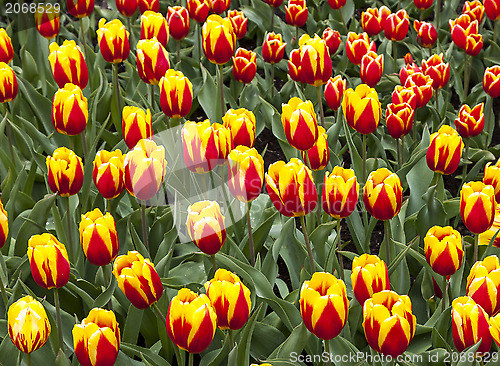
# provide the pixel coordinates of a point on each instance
(8, 83)
(315, 62)
(65, 172)
(372, 68)
(291, 188)
(145, 168)
(138, 279)
(127, 7)
(296, 13)
(244, 65)
(340, 192)
(176, 94)
(49, 261)
(474, 9)
(396, 26)
(332, 40)
(113, 40)
(178, 22)
(336, 4)
(198, 10)
(108, 173)
(477, 206)
(383, 194)
(334, 91)
(29, 326)
(369, 275)
(362, 109)
(443, 250)
(491, 81)
(399, 119)
(241, 124)
(421, 85)
(273, 48)
(423, 4)
(6, 50)
(152, 60)
(469, 325)
(473, 44)
(136, 125)
(68, 65)
(324, 305)
(470, 122)
(492, 9)
(388, 322)
(300, 123)
(294, 66)
(492, 177)
(70, 110)
(319, 154)
(97, 339)
(426, 33)
(98, 237)
(402, 95)
(220, 6)
(437, 70)
(219, 39)
(191, 321)
(373, 20)
(4, 225)
(47, 20)
(239, 22)
(483, 284)
(445, 150)
(486, 236)
(149, 5)
(461, 28)
(245, 174)
(205, 225)
(154, 25)
(358, 45)
(80, 8)
(230, 299)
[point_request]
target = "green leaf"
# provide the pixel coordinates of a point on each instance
(208, 96)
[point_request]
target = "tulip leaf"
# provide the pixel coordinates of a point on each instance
(469, 354)
(243, 355)
(295, 343)
(216, 357)
(106, 296)
(139, 351)
(207, 97)
(62, 359)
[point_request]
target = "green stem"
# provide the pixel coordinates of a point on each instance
(58, 317)
(399, 4)
(272, 18)
(230, 210)
(495, 31)
(144, 226)
(117, 89)
(221, 90)
(152, 97)
(343, 21)
(437, 103)
(467, 68)
(399, 155)
(402, 150)
(437, 16)
(250, 236)
(297, 35)
(445, 294)
(11, 142)
(421, 14)
(327, 351)
(199, 42)
(158, 313)
(191, 359)
(178, 51)
(107, 280)
(320, 103)
(364, 160)
(84, 42)
(476, 247)
(395, 55)
(2, 287)
(230, 337)
(341, 257)
(70, 236)
(488, 121)
(28, 359)
(214, 263)
(308, 245)
(272, 81)
(387, 230)
(129, 26)
(84, 145)
(466, 158)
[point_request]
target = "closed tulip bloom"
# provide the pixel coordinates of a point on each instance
(362, 109)
(230, 299)
(426, 33)
(336, 4)
(98, 237)
(473, 44)
(334, 91)
(8, 83)
(291, 188)
(495, 321)
(491, 81)
(421, 85)
(4, 225)
(205, 225)
(65, 172)
(145, 167)
(372, 68)
(477, 206)
(445, 150)
(28, 324)
(138, 279)
(68, 65)
(300, 123)
(373, 20)
(402, 95)
(296, 13)
(486, 236)
(152, 60)
(136, 125)
(443, 250)
(483, 284)
(332, 40)
(469, 325)
(273, 48)
(80, 8)
(70, 110)
(470, 122)
(113, 40)
(410, 68)
(399, 119)
(108, 174)
(47, 20)
(340, 192)
(176, 94)
(319, 154)
(219, 39)
(49, 261)
(198, 9)
(474, 9)
(397, 25)
(246, 173)
(191, 321)
(97, 339)
(324, 305)
(178, 22)
(369, 275)
(315, 63)
(462, 27)
(383, 194)
(492, 177)
(239, 22)
(423, 4)
(127, 7)
(492, 9)
(149, 5)
(437, 70)
(219, 6)
(274, 3)
(244, 65)
(388, 322)
(6, 50)
(154, 25)
(358, 45)
(241, 123)
(294, 66)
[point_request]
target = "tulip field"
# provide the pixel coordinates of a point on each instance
(249, 182)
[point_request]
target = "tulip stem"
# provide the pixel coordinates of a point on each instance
(341, 257)
(221, 90)
(28, 359)
(395, 56)
(2, 287)
(214, 263)
(199, 42)
(297, 35)
(364, 159)
(158, 313)
(144, 226)
(495, 28)
(343, 21)
(191, 359)
(107, 280)
(476, 247)
(70, 236)
(327, 351)
(320, 103)
(230, 338)
(445, 294)
(152, 96)
(466, 158)
(467, 68)
(308, 244)
(437, 104)
(387, 230)
(250, 236)
(129, 26)
(84, 42)
(178, 51)
(9, 134)
(272, 18)
(272, 82)
(488, 121)
(438, 13)
(399, 155)
(58, 317)
(402, 150)
(229, 208)
(117, 88)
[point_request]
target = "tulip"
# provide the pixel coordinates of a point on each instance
(477, 206)
(191, 321)
(113, 40)
(149, 5)
(332, 40)
(469, 325)
(8, 83)
(461, 28)
(324, 305)
(396, 26)
(6, 50)
(108, 173)
(362, 109)
(300, 124)
(437, 70)
(28, 324)
(274, 3)
(80, 8)
(145, 168)
(127, 7)
(334, 90)
(65, 172)
(291, 188)
(230, 299)
(244, 65)
(178, 22)
(443, 250)
(399, 119)
(176, 94)
(219, 6)
(319, 154)
(421, 85)
(492, 9)
(245, 174)
(98, 237)
(426, 33)
(69, 110)
(152, 60)
(241, 124)
(445, 150)
(372, 68)
(205, 225)
(474, 9)
(68, 65)
(409, 68)
(423, 4)
(296, 12)
(340, 192)
(388, 322)
(369, 275)
(336, 4)
(273, 48)
(154, 25)
(97, 339)
(239, 22)
(198, 9)
(491, 81)
(402, 95)
(315, 63)
(49, 261)
(495, 321)
(492, 177)
(358, 45)
(473, 44)
(219, 39)
(294, 66)
(136, 125)
(483, 284)
(47, 20)
(373, 20)
(4, 225)
(383, 194)
(486, 236)
(470, 122)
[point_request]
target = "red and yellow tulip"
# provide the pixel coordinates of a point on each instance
(47, 20)
(470, 121)
(244, 65)
(358, 45)
(373, 20)
(108, 173)
(127, 7)
(334, 91)
(399, 119)
(486, 236)
(65, 172)
(362, 109)
(340, 192)
(383, 194)
(423, 4)
(113, 40)
(296, 12)
(70, 110)
(178, 22)
(474, 9)
(205, 225)
(492, 176)
(369, 275)
(371, 69)
(154, 25)
(245, 173)
(491, 81)
(461, 28)
(80, 8)
(149, 5)
(4, 225)
(492, 9)
(319, 154)
(68, 65)
(397, 25)
(443, 249)
(219, 6)
(198, 9)
(477, 206)
(152, 60)
(426, 33)
(445, 150)
(136, 125)
(6, 50)
(8, 83)
(337, 4)
(315, 64)
(239, 22)
(332, 40)
(299, 123)
(273, 48)
(219, 39)
(470, 324)
(483, 284)
(402, 95)
(176, 94)
(421, 85)
(241, 123)
(437, 70)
